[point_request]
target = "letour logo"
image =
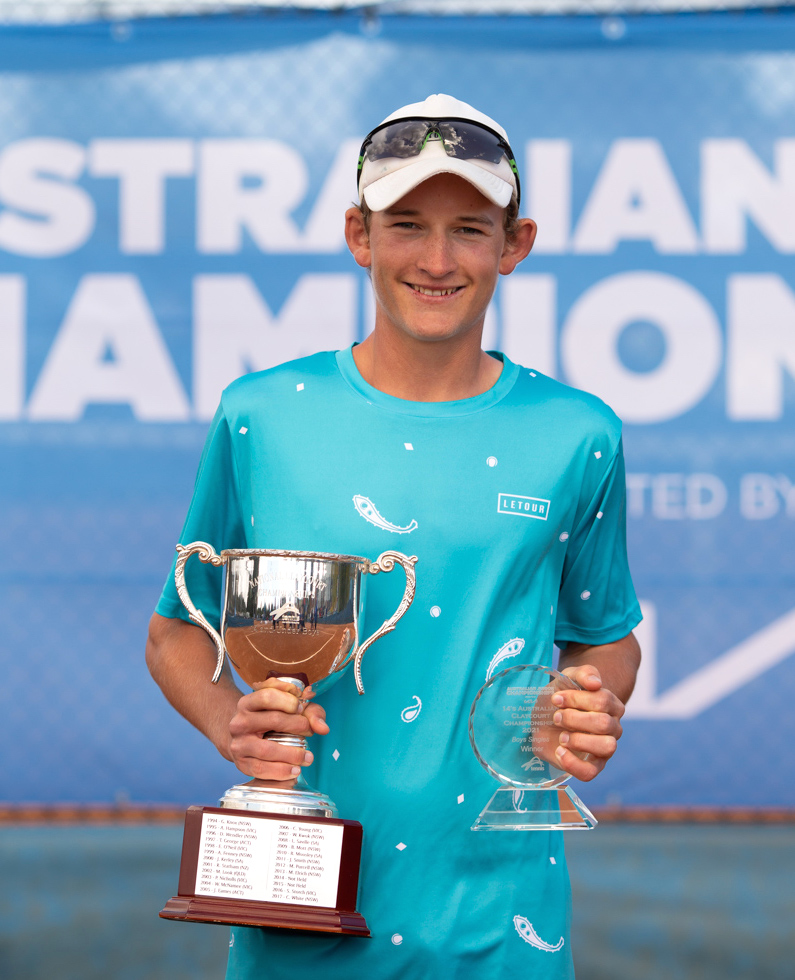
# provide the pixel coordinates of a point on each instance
(514, 503)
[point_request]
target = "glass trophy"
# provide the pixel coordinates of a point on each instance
(514, 738)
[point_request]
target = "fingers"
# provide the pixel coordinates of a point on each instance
(275, 706)
(263, 758)
(600, 701)
(599, 746)
(583, 768)
(258, 722)
(584, 756)
(277, 695)
(593, 722)
(592, 697)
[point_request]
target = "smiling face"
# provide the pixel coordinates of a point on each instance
(434, 258)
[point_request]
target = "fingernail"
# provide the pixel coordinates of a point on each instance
(557, 699)
(296, 770)
(308, 758)
(558, 717)
(301, 706)
(564, 738)
(559, 751)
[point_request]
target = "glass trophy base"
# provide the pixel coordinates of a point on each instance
(535, 809)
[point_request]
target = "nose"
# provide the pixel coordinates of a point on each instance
(437, 258)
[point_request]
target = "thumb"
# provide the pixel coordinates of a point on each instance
(316, 717)
(586, 675)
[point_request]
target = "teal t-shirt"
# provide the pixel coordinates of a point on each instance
(513, 502)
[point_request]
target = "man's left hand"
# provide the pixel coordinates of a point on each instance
(589, 723)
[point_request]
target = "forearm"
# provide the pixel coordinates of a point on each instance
(181, 658)
(617, 663)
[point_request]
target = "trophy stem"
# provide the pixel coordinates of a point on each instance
(288, 796)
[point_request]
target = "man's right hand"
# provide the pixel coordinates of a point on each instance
(275, 706)
(182, 657)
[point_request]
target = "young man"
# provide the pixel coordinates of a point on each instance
(437, 438)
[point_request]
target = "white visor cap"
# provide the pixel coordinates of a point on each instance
(385, 181)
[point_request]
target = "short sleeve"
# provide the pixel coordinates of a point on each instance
(214, 516)
(597, 602)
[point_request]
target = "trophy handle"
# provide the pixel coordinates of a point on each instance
(385, 563)
(206, 553)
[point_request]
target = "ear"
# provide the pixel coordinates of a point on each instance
(357, 238)
(518, 247)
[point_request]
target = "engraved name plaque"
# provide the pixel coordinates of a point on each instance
(260, 869)
(269, 860)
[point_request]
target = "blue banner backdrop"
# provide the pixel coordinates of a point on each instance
(171, 199)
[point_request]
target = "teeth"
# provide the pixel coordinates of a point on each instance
(435, 292)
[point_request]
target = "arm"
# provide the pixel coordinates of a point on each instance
(589, 720)
(181, 658)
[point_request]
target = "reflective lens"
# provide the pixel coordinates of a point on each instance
(461, 139)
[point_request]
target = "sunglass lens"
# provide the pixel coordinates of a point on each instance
(471, 142)
(404, 139)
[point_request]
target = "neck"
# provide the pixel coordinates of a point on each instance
(422, 371)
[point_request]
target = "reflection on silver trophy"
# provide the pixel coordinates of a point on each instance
(295, 615)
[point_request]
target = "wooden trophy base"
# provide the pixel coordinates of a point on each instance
(223, 911)
(244, 867)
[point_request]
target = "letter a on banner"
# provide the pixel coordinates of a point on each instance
(110, 351)
(636, 198)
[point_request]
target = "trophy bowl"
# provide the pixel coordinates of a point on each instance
(294, 615)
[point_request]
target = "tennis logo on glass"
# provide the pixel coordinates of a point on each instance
(512, 503)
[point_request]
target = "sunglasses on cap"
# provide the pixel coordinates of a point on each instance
(461, 138)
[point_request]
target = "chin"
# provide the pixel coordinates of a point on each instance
(425, 330)
(449, 333)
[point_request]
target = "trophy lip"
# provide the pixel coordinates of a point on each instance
(280, 553)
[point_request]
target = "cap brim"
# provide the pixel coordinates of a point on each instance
(387, 190)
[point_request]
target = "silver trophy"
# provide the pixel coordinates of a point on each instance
(295, 615)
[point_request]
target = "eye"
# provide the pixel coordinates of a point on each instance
(470, 230)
